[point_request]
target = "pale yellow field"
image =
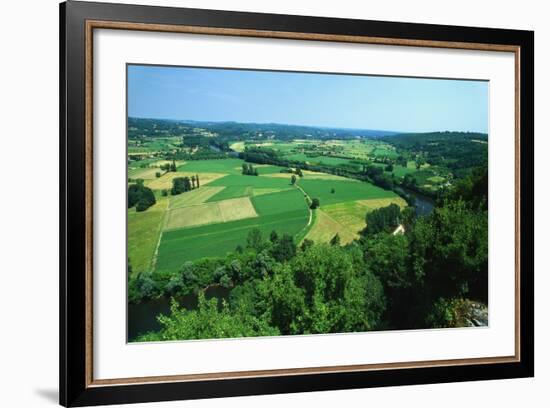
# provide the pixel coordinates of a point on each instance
(347, 219)
(165, 182)
(163, 162)
(313, 175)
(237, 146)
(280, 175)
(324, 228)
(351, 214)
(376, 203)
(148, 173)
(236, 209)
(209, 213)
(194, 215)
(197, 196)
(310, 175)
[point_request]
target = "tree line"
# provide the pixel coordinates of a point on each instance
(183, 184)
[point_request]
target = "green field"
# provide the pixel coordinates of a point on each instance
(279, 203)
(231, 192)
(197, 196)
(326, 160)
(143, 234)
(343, 191)
(228, 166)
(217, 239)
(144, 173)
(252, 181)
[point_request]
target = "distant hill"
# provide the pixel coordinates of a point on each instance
(458, 151)
(410, 139)
(237, 130)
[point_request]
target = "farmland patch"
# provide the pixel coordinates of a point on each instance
(197, 196)
(336, 191)
(165, 182)
(325, 228)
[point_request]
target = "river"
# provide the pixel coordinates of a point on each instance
(423, 205)
(142, 317)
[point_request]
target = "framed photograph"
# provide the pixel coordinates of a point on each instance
(256, 203)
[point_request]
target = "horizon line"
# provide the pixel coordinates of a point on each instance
(310, 126)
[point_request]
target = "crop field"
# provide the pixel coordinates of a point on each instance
(145, 174)
(209, 213)
(343, 191)
(197, 196)
(231, 192)
(226, 166)
(215, 218)
(144, 229)
(237, 146)
(326, 160)
(215, 240)
(165, 181)
(236, 209)
(325, 228)
(351, 214)
(251, 181)
(280, 202)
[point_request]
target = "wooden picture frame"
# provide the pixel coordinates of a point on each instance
(78, 20)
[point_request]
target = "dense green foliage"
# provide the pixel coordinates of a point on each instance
(383, 219)
(140, 196)
(183, 184)
(249, 170)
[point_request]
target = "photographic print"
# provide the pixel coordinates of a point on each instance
(273, 203)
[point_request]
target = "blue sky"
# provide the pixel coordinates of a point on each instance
(341, 101)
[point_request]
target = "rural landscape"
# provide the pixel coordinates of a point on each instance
(240, 229)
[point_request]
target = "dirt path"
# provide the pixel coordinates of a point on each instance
(308, 200)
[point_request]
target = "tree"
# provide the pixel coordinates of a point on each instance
(173, 166)
(284, 249)
(332, 190)
(254, 239)
(207, 322)
(389, 167)
(273, 237)
(192, 182)
(256, 172)
(180, 185)
(315, 203)
(141, 287)
(382, 219)
(293, 179)
(299, 172)
(197, 179)
(158, 174)
(306, 243)
(140, 196)
(340, 294)
(335, 241)
(284, 301)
